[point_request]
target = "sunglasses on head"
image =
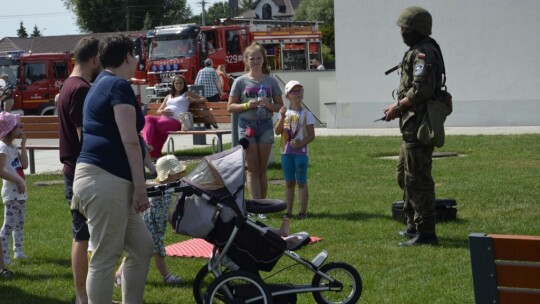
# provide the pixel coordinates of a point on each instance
(296, 92)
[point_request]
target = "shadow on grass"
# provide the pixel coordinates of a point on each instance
(447, 242)
(43, 276)
(58, 262)
(14, 295)
(349, 216)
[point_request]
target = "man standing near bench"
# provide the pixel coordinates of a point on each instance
(70, 109)
(209, 79)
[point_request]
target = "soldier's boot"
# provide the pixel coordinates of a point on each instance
(421, 239)
(408, 233)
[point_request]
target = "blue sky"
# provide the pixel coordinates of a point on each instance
(50, 16)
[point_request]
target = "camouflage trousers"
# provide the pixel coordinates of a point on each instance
(413, 174)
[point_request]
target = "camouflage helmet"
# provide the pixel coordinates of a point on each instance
(416, 18)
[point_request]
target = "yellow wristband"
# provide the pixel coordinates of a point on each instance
(246, 105)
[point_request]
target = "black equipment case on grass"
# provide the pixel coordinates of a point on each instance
(444, 207)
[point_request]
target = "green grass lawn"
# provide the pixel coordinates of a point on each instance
(495, 181)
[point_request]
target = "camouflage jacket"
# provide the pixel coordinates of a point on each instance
(422, 71)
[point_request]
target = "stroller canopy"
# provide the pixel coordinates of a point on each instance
(224, 170)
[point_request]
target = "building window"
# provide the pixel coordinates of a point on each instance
(267, 11)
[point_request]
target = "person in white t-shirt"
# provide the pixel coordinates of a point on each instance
(296, 126)
(319, 65)
(156, 128)
(12, 164)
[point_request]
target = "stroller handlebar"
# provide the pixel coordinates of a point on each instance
(174, 187)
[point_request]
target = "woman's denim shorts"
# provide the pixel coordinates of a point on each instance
(264, 130)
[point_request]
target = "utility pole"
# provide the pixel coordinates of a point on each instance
(127, 19)
(233, 8)
(203, 19)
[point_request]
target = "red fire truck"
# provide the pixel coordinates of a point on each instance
(36, 79)
(182, 49)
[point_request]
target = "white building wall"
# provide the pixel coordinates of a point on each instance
(491, 50)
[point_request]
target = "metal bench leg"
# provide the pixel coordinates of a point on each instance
(220, 143)
(32, 161)
(170, 146)
(216, 142)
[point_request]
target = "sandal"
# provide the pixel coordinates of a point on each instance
(170, 279)
(287, 216)
(6, 273)
(302, 216)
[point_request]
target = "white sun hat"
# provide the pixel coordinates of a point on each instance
(168, 165)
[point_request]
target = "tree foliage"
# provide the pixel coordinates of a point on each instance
(36, 32)
(21, 32)
(319, 10)
(216, 11)
(245, 4)
(120, 15)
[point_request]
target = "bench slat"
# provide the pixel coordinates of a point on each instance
(40, 127)
(42, 135)
(516, 247)
(519, 276)
(518, 297)
(34, 119)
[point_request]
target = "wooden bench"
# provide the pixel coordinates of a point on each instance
(203, 113)
(505, 268)
(39, 127)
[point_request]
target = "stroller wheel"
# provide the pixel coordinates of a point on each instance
(238, 287)
(202, 281)
(346, 287)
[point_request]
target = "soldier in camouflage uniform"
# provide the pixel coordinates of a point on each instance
(422, 71)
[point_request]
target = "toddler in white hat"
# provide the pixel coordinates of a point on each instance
(169, 169)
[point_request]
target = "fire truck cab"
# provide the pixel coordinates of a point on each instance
(183, 48)
(36, 79)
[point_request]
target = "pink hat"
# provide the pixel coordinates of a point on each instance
(8, 121)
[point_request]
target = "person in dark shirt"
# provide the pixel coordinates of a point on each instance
(70, 108)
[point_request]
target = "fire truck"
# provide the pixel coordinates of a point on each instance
(182, 49)
(36, 79)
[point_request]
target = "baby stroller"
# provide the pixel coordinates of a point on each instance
(211, 205)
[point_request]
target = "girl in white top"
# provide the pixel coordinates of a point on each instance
(12, 164)
(156, 128)
(296, 126)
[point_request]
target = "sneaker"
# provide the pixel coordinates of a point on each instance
(172, 280)
(421, 239)
(6, 273)
(297, 240)
(19, 255)
(262, 216)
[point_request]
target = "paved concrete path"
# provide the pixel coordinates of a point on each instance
(48, 161)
